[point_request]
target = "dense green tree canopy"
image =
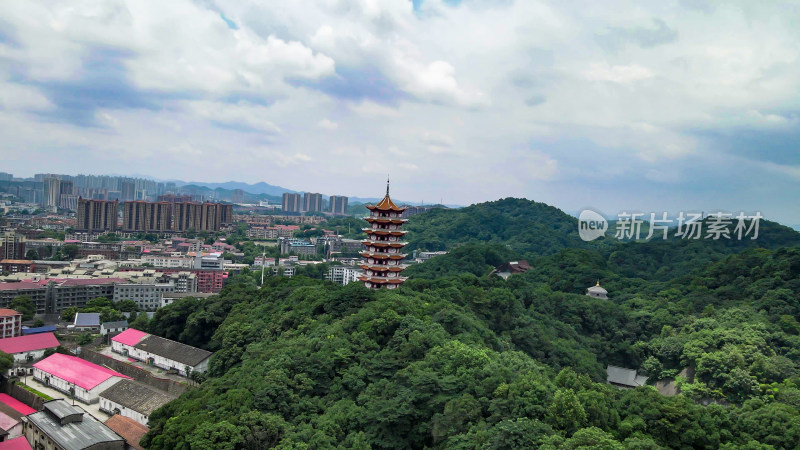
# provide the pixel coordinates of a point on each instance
(459, 359)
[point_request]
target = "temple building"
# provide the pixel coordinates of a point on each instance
(382, 262)
(597, 291)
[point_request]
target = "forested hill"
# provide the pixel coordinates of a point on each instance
(472, 362)
(456, 359)
(522, 229)
(525, 226)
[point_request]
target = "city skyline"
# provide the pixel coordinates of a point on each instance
(667, 106)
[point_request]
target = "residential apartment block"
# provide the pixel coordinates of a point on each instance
(97, 215)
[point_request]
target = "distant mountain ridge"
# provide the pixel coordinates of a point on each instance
(257, 188)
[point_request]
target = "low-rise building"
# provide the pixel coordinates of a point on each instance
(113, 327)
(296, 246)
(27, 349)
(172, 262)
(13, 266)
(343, 275)
(130, 430)
(134, 400)
(10, 323)
(283, 271)
(61, 426)
(161, 352)
(10, 406)
(146, 295)
(168, 299)
(262, 233)
(10, 428)
(17, 443)
(38, 330)
(87, 322)
(511, 268)
(624, 378)
(75, 376)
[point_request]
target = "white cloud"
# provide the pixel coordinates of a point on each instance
(450, 92)
(618, 74)
(16, 97)
(328, 124)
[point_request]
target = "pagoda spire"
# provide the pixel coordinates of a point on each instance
(387, 185)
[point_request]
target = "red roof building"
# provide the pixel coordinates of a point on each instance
(382, 262)
(130, 336)
(72, 374)
(130, 430)
(16, 405)
(9, 426)
(19, 443)
(28, 343)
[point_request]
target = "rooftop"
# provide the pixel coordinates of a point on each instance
(4, 312)
(19, 443)
(7, 422)
(28, 343)
(624, 377)
(117, 324)
(77, 371)
(130, 337)
(37, 330)
(131, 430)
(87, 319)
(74, 435)
(17, 405)
(20, 285)
(136, 396)
(176, 351)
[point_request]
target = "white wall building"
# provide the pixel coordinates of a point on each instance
(171, 262)
(70, 373)
(343, 275)
(135, 400)
(146, 295)
(161, 352)
(27, 349)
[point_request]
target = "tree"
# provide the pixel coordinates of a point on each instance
(6, 362)
(126, 306)
(32, 254)
(68, 314)
(24, 304)
(100, 302)
(592, 438)
(69, 251)
(140, 323)
(566, 412)
(84, 338)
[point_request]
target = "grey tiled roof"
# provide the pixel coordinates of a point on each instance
(87, 319)
(625, 377)
(117, 324)
(176, 351)
(72, 436)
(136, 396)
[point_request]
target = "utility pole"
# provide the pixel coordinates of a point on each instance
(263, 261)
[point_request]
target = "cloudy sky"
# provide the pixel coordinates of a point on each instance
(662, 105)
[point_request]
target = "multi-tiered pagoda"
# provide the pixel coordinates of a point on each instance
(382, 258)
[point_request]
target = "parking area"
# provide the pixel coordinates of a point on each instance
(93, 409)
